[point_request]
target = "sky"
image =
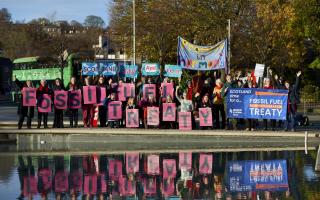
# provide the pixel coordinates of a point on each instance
(56, 9)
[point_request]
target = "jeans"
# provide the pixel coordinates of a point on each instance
(291, 118)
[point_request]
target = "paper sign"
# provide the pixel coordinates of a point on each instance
(185, 160)
(115, 110)
(132, 162)
(90, 69)
(108, 69)
(172, 71)
(125, 91)
(61, 182)
(150, 69)
(168, 187)
(75, 99)
(101, 96)
(150, 185)
(132, 118)
(149, 89)
(61, 99)
(167, 89)
(29, 96)
(185, 122)
(129, 71)
(169, 168)
(45, 176)
(29, 186)
(153, 116)
(127, 187)
(259, 70)
(153, 166)
(205, 116)
(44, 103)
(76, 181)
(89, 94)
(115, 168)
(205, 164)
(90, 184)
(169, 112)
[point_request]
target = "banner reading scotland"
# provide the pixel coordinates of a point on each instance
(257, 103)
(196, 57)
(90, 69)
(129, 71)
(108, 69)
(150, 69)
(173, 71)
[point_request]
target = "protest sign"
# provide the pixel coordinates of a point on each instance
(169, 168)
(126, 90)
(205, 164)
(115, 110)
(169, 112)
(89, 94)
(150, 69)
(149, 89)
(29, 96)
(153, 116)
(74, 99)
(132, 162)
(61, 99)
(205, 116)
(153, 166)
(185, 122)
(44, 103)
(132, 118)
(173, 71)
(90, 69)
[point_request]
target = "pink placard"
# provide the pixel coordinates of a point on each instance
(89, 94)
(75, 99)
(61, 99)
(76, 181)
(90, 184)
(44, 103)
(115, 110)
(150, 185)
(132, 162)
(61, 182)
(149, 89)
(127, 187)
(29, 186)
(102, 182)
(115, 169)
(132, 118)
(102, 94)
(167, 89)
(153, 116)
(168, 187)
(205, 164)
(185, 122)
(153, 166)
(29, 96)
(169, 112)
(45, 176)
(205, 116)
(169, 168)
(125, 91)
(185, 160)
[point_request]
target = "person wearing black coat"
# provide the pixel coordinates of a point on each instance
(24, 111)
(102, 108)
(73, 113)
(58, 113)
(41, 90)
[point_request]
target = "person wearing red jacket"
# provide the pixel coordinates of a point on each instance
(43, 89)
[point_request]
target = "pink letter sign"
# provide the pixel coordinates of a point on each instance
(168, 187)
(61, 99)
(167, 89)
(185, 123)
(90, 184)
(132, 118)
(89, 94)
(205, 164)
(153, 116)
(44, 103)
(149, 89)
(185, 160)
(132, 162)
(169, 168)
(102, 95)
(127, 187)
(115, 110)
(126, 90)
(45, 176)
(153, 167)
(29, 96)
(169, 112)
(150, 185)
(115, 169)
(76, 181)
(205, 116)
(75, 99)
(61, 182)
(29, 185)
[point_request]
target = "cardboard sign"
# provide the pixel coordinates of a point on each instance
(150, 69)
(29, 186)
(132, 118)
(150, 185)
(169, 168)
(125, 91)
(259, 70)
(132, 162)
(45, 176)
(61, 99)
(149, 89)
(44, 103)
(173, 71)
(168, 187)
(127, 187)
(90, 184)
(75, 99)
(115, 110)
(90, 69)
(167, 89)
(153, 166)
(205, 116)
(29, 96)
(185, 160)
(115, 168)
(185, 122)
(102, 95)
(76, 181)
(205, 164)
(89, 94)
(153, 116)
(61, 182)
(169, 112)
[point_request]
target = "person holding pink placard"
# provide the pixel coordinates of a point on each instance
(113, 123)
(205, 103)
(169, 111)
(73, 112)
(58, 113)
(144, 104)
(87, 109)
(24, 111)
(102, 106)
(43, 89)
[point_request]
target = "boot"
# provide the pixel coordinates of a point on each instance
(45, 120)
(39, 123)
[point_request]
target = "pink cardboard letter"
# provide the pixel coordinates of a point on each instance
(132, 118)
(44, 103)
(61, 182)
(132, 162)
(149, 89)
(167, 89)
(89, 94)
(169, 168)
(153, 167)
(185, 123)
(205, 164)
(61, 99)
(153, 116)
(185, 160)
(205, 116)
(125, 91)
(169, 112)
(29, 96)
(115, 169)
(115, 110)
(75, 99)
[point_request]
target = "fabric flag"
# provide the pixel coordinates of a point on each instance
(90, 69)
(129, 71)
(150, 69)
(202, 58)
(173, 71)
(108, 69)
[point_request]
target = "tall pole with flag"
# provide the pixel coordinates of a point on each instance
(134, 31)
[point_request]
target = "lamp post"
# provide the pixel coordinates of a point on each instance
(134, 31)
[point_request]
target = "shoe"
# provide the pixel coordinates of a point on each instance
(19, 127)
(45, 127)
(293, 130)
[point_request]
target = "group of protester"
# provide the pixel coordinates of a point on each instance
(199, 92)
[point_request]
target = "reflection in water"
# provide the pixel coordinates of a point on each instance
(245, 175)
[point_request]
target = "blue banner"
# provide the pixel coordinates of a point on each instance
(268, 175)
(173, 71)
(150, 69)
(129, 71)
(108, 69)
(90, 69)
(204, 58)
(254, 103)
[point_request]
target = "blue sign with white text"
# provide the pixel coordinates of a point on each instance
(173, 71)
(129, 71)
(108, 69)
(150, 69)
(90, 69)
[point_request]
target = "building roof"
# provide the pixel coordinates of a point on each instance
(26, 60)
